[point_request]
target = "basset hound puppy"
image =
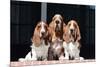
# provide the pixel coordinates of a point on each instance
(40, 44)
(71, 42)
(56, 50)
(56, 27)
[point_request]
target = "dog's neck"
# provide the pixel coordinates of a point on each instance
(42, 41)
(72, 38)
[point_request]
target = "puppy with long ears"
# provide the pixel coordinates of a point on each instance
(71, 42)
(56, 27)
(40, 44)
(40, 34)
(56, 50)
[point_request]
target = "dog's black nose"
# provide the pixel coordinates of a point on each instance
(71, 30)
(57, 22)
(43, 33)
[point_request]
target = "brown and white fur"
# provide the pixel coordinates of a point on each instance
(40, 44)
(56, 50)
(71, 42)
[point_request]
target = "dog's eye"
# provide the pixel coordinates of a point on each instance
(69, 24)
(75, 25)
(39, 26)
(45, 27)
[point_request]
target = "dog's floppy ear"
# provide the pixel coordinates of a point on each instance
(65, 34)
(78, 35)
(50, 33)
(36, 38)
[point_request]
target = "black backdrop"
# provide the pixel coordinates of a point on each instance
(25, 15)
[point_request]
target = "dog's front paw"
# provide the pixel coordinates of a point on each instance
(81, 58)
(61, 58)
(21, 59)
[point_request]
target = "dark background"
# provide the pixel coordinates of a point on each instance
(25, 15)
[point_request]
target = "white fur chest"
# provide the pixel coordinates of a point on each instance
(41, 51)
(71, 49)
(72, 46)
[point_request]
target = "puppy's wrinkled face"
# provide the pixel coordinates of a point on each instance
(42, 27)
(58, 21)
(72, 29)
